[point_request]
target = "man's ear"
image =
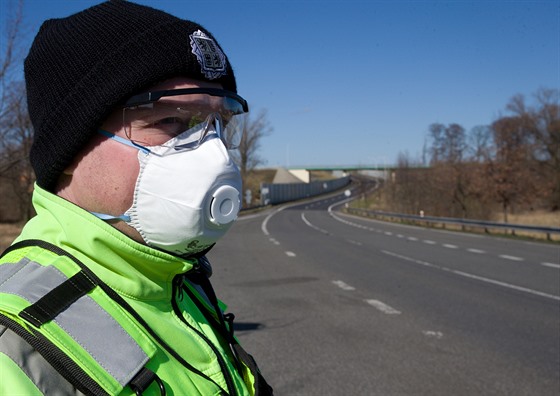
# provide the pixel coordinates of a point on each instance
(65, 177)
(69, 171)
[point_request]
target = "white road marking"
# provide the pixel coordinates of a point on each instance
(383, 307)
(427, 241)
(274, 241)
(354, 242)
(431, 333)
(308, 223)
(551, 265)
(449, 246)
(388, 233)
(264, 224)
(343, 285)
(290, 254)
(412, 239)
(476, 251)
(249, 216)
(480, 278)
(512, 258)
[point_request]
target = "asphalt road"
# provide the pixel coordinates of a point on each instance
(331, 304)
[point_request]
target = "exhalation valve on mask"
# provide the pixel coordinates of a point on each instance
(224, 205)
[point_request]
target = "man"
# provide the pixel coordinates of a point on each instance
(106, 291)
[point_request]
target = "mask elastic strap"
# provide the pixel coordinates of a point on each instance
(124, 141)
(108, 217)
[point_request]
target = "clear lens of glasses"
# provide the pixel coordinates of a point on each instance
(205, 116)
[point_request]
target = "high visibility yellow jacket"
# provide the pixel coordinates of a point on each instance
(117, 315)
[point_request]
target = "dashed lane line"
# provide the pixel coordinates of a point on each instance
(290, 254)
(430, 242)
(343, 285)
(512, 258)
(432, 333)
(480, 278)
(381, 306)
(388, 233)
(551, 265)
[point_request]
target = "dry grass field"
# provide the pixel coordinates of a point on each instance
(537, 218)
(8, 232)
(541, 218)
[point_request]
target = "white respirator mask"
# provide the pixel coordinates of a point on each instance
(185, 198)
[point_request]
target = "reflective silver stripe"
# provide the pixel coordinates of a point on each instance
(85, 321)
(34, 365)
(29, 280)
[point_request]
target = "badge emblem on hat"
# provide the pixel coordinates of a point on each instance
(210, 57)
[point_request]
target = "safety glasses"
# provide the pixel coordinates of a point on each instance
(195, 114)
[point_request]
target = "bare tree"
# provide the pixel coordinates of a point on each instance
(16, 135)
(479, 142)
(513, 164)
(541, 129)
(9, 58)
(512, 169)
(409, 189)
(546, 131)
(450, 176)
(448, 143)
(16, 176)
(254, 129)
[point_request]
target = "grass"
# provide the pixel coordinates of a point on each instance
(538, 218)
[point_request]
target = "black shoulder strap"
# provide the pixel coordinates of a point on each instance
(71, 371)
(48, 307)
(56, 358)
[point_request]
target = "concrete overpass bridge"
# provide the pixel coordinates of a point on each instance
(345, 168)
(298, 174)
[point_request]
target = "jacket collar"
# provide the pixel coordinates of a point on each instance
(130, 268)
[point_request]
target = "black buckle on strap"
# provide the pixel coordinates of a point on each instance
(143, 380)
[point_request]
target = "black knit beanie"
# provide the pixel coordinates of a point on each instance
(80, 67)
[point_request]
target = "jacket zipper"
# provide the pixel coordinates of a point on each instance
(223, 366)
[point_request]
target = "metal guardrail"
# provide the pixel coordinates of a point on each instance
(486, 225)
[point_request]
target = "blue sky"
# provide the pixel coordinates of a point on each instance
(357, 82)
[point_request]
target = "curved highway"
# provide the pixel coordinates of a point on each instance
(332, 304)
